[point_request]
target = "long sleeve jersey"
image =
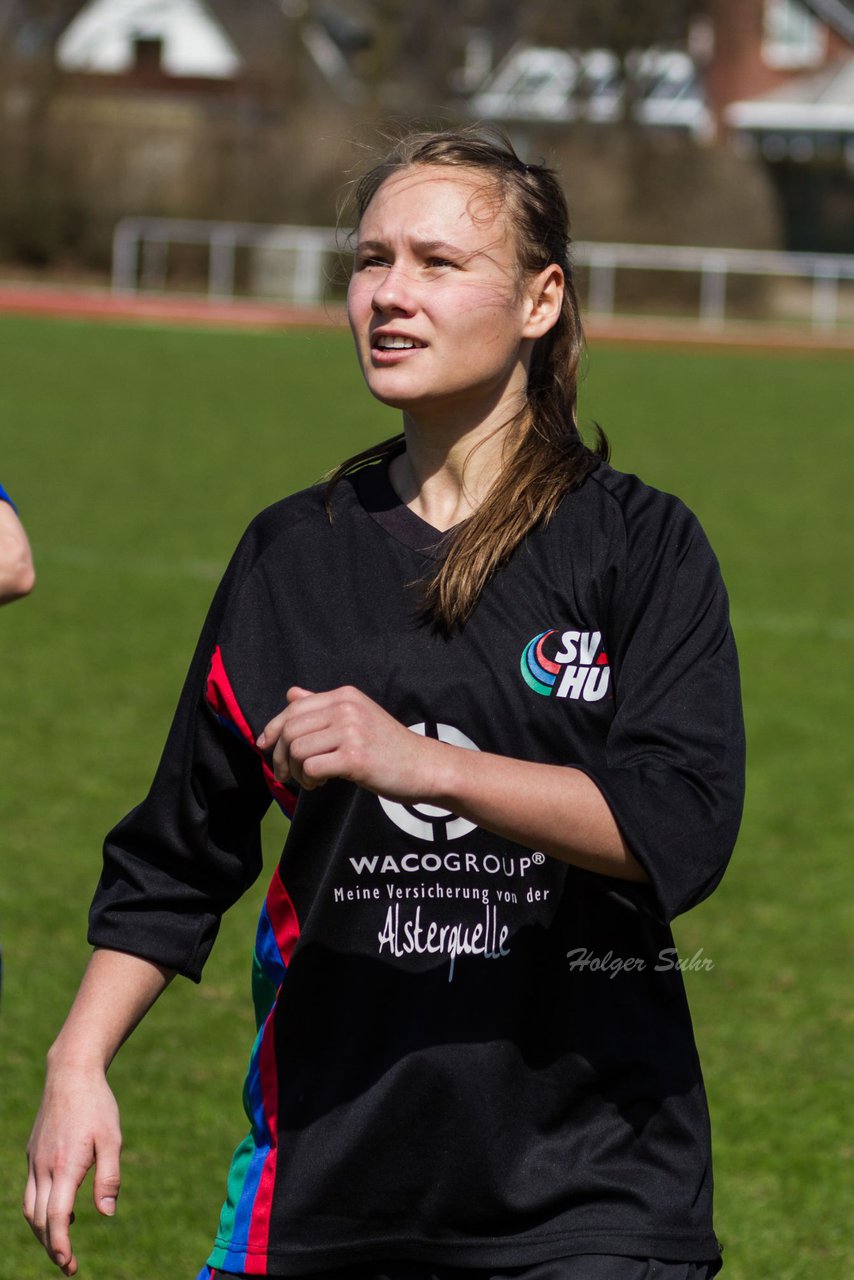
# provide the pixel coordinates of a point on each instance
(468, 1052)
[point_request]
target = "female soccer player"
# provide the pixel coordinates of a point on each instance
(493, 681)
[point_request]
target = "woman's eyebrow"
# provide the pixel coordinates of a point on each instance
(424, 247)
(436, 246)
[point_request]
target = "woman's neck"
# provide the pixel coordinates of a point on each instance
(444, 476)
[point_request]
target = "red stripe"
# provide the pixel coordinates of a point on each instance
(259, 1227)
(221, 698)
(546, 663)
(282, 916)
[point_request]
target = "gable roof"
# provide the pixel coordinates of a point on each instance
(215, 39)
(102, 35)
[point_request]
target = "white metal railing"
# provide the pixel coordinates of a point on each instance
(714, 266)
(141, 246)
(140, 259)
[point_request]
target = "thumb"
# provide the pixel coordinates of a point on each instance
(107, 1184)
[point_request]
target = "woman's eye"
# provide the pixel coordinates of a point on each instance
(365, 263)
(439, 262)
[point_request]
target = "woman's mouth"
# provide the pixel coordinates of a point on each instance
(395, 342)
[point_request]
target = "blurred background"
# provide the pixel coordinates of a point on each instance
(170, 172)
(687, 123)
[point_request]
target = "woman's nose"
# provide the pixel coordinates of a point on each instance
(394, 291)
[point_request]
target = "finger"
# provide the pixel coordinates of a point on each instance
(29, 1202)
(108, 1180)
(295, 694)
(274, 727)
(270, 732)
(297, 727)
(40, 1198)
(312, 757)
(59, 1217)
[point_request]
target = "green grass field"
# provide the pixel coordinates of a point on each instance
(137, 456)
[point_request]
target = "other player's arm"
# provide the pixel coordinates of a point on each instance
(17, 575)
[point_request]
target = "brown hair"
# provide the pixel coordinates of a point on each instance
(545, 456)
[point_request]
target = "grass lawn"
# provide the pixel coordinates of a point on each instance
(137, 456)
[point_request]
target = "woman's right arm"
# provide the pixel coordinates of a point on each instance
(78, 1122)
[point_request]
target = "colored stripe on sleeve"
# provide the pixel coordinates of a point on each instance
(221, 698)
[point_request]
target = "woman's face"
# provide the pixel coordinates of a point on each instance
(441, 321)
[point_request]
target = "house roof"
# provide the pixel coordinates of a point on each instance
(822, 102)
(216, 39)
(102, 35)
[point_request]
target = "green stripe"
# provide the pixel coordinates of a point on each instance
(531, 681)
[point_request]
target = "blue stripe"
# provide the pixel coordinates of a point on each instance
(267, 950)
(228, 723)
(253, 1094)
(243, 1210)
(534, 666)
(267, 959)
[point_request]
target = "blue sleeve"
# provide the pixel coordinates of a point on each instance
(4, 497)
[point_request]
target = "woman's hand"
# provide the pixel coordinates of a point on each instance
(344, 734)
(78, 1122)
(77, 1126)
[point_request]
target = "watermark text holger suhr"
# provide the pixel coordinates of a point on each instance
(668, 958)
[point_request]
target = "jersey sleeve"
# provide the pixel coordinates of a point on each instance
(674, 773)
(193, 846)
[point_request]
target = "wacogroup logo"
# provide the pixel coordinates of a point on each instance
(569, 664)
(428, 821)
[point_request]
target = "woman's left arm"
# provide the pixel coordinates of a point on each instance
(344, 734)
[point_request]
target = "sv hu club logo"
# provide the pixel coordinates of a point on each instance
(569, 664)
(428, 821)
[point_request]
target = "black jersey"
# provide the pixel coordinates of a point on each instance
(468, 1053)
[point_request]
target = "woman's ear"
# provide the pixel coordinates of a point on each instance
(544, 298)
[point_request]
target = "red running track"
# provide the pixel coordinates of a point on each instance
(101, 304)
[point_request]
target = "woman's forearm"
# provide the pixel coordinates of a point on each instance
(345, 734)
(116, 992)
(557, 810)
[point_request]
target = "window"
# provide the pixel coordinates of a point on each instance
(792, 37)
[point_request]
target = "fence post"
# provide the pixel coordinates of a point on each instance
(155, 251)
(602, 271)
(221, 269)
(125, 256)
(824, 297)
(713, 290)
(308, 272)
